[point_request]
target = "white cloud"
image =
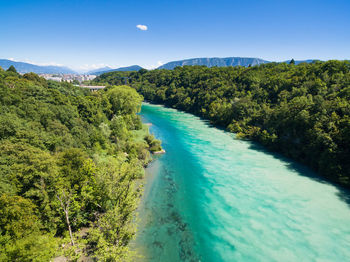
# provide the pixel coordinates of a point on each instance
(89, 67)
(44, 64)
(53, 64)
(159, 63)
(142, 27)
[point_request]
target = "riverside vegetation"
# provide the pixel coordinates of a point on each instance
(69, 160)
(302, 111)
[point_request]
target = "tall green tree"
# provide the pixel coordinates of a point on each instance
(12, 69)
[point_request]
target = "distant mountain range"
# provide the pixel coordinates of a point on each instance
(222, 62)
(108, 69)
(209, 62)
(215, 61)
(23, 67)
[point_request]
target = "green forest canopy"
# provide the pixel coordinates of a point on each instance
(68, 154)
(302, 111)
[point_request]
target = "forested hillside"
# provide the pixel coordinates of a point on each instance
(302, 111)
(69, 159)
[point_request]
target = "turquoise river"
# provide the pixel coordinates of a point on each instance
(212, 197)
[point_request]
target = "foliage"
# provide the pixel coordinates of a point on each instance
(21, 237)
(68, 161)
(302, 111)
(12, 69)
(154, 144)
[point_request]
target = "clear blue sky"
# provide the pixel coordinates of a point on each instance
(88, 33)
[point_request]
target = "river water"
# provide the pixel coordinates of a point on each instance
(212, 197)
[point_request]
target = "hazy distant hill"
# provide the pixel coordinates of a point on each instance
(215, 61)
(128, 68)
(98, 70)
(22, 67)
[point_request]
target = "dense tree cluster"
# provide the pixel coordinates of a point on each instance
(69, 159)
(302, 111)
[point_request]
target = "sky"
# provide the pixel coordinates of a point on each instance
(88, 34)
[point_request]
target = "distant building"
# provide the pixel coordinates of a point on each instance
(68, 77)
(54, 78)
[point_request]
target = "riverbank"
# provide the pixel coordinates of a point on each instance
(261, 103)
(215, 198)
(343, 187)
(163, 233)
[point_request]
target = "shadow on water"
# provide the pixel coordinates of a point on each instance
(343, 193)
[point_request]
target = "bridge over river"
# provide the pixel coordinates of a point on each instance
(93, 88)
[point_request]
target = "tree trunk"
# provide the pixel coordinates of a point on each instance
(69, 228)
(65, 207)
